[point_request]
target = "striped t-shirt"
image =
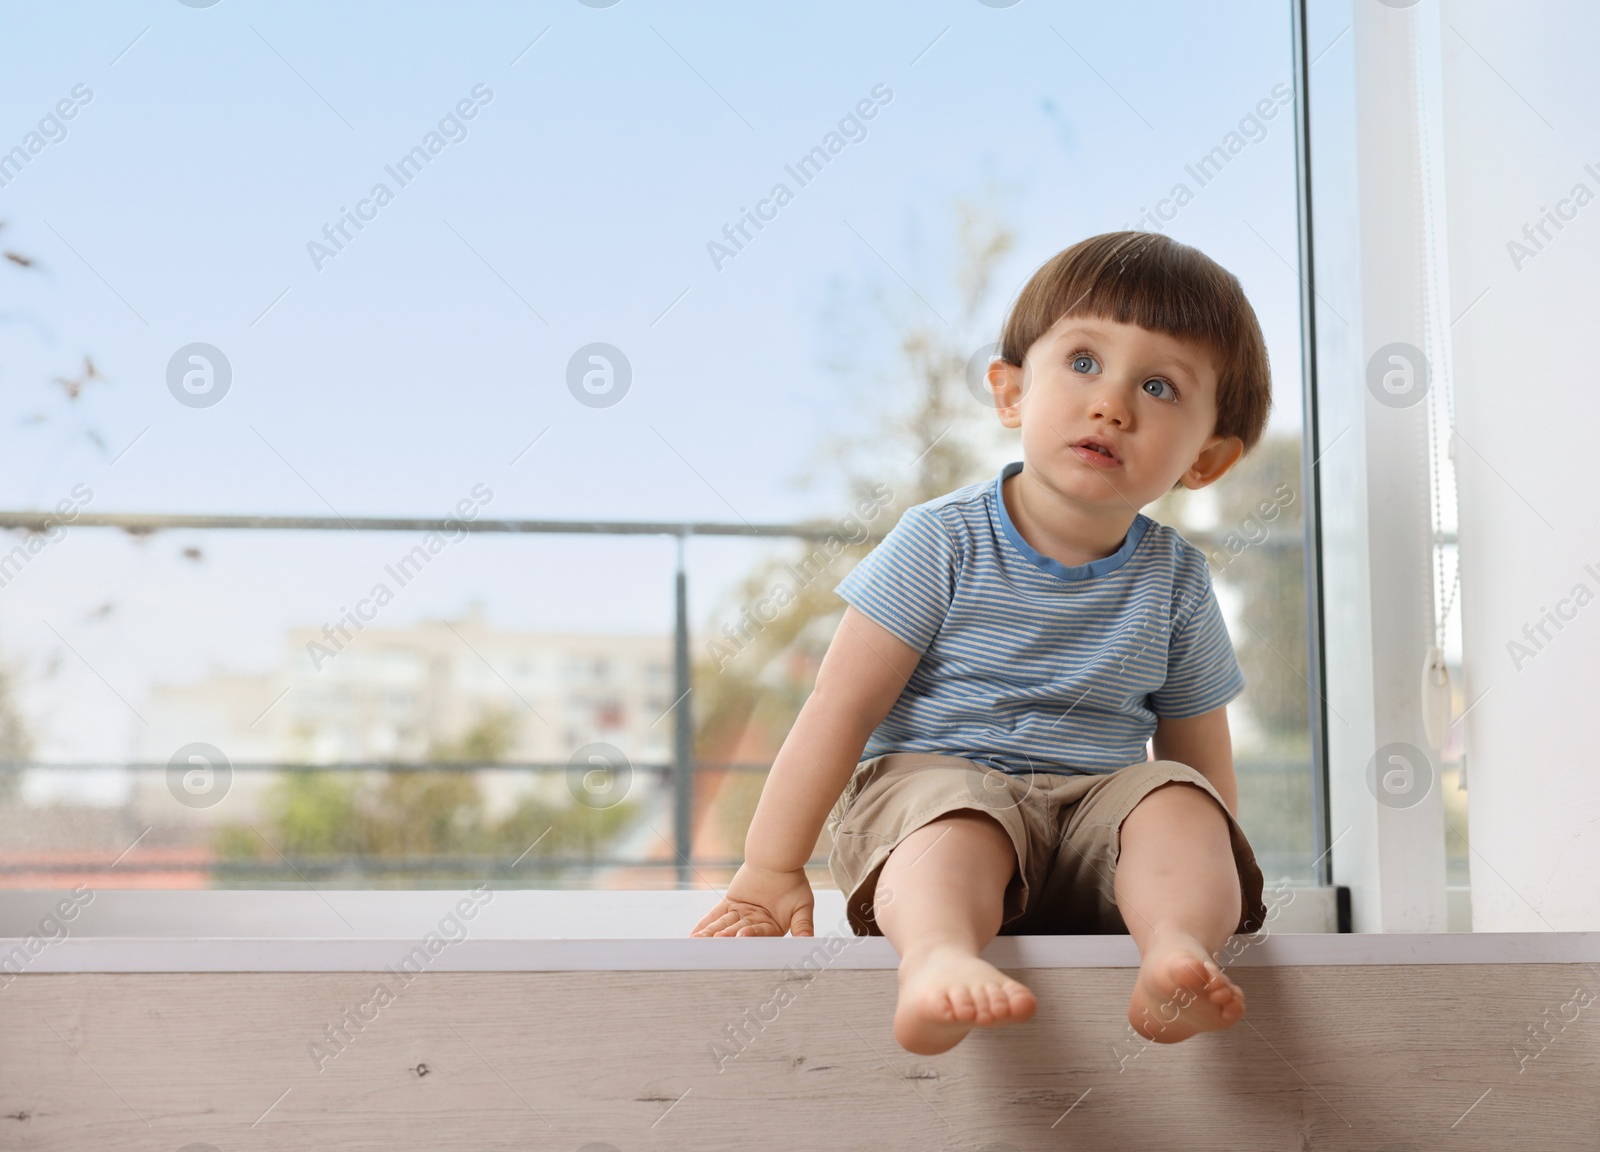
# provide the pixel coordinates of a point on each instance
(1031, 665)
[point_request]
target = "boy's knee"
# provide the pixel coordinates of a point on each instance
(965, 828)
(971, 820)
(969, 815)
(1178, 789)
(1180, 795)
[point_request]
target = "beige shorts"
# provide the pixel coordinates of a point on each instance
(1065, 829)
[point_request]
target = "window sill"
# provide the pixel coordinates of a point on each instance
(534, 931)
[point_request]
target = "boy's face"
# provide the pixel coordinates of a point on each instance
(1147, 398)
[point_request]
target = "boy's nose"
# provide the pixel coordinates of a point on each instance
(1109, 406)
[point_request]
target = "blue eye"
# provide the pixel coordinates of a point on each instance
(1081, 359)
(1172, 393)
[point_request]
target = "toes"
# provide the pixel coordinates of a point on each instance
(984, 997)
(1021, 1000)
(1015, 998)
(999, 1002)
(980, 1002)
(1190, 973)
(961, 1003)
(1223, 992)
(971, 998)
(935, 1005)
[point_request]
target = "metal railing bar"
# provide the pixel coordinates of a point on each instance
(325, 865)
(140, 523)
(369, 766)
(653, 768)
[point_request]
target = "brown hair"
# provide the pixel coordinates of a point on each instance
(1153, 281)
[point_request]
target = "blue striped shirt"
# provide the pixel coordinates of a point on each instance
(1031, 665)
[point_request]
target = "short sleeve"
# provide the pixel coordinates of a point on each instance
(907, 582)
(1202, 671)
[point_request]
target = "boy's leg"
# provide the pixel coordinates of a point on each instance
(1177, 886)
(939, 901)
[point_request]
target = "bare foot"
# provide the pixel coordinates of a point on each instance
(945, 993)
(1181, 991)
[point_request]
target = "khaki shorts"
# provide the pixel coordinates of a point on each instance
(1065, 829)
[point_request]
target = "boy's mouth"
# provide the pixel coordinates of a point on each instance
(1095, 451)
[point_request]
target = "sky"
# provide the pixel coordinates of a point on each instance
(212, 147)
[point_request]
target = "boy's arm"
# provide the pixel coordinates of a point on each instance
(865, 670)
(862, 675)
(1204, 744)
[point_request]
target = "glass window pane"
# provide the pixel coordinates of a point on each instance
(712, 265)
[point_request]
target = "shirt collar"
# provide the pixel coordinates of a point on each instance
(1060, 571)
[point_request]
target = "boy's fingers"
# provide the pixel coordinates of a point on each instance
(741, 918)
(714, 919)
(736, 923)
(711, 917)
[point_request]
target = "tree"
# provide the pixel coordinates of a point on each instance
(1256, 553)
(338, 819)
(16, 741)
(1257, 559)
(929, 418)
(922, 439)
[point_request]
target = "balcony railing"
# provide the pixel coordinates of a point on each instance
(184, 853)
(679, 774)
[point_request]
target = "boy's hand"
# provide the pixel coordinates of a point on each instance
(761, 902)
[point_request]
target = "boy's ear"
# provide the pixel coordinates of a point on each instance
(1007, 382)
(1220, 454)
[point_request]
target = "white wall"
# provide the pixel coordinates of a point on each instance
(1520, 118)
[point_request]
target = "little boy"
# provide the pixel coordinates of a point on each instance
(1006, 653)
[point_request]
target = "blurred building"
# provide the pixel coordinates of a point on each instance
(456, 689)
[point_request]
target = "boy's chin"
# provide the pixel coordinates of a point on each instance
(1106, 489)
